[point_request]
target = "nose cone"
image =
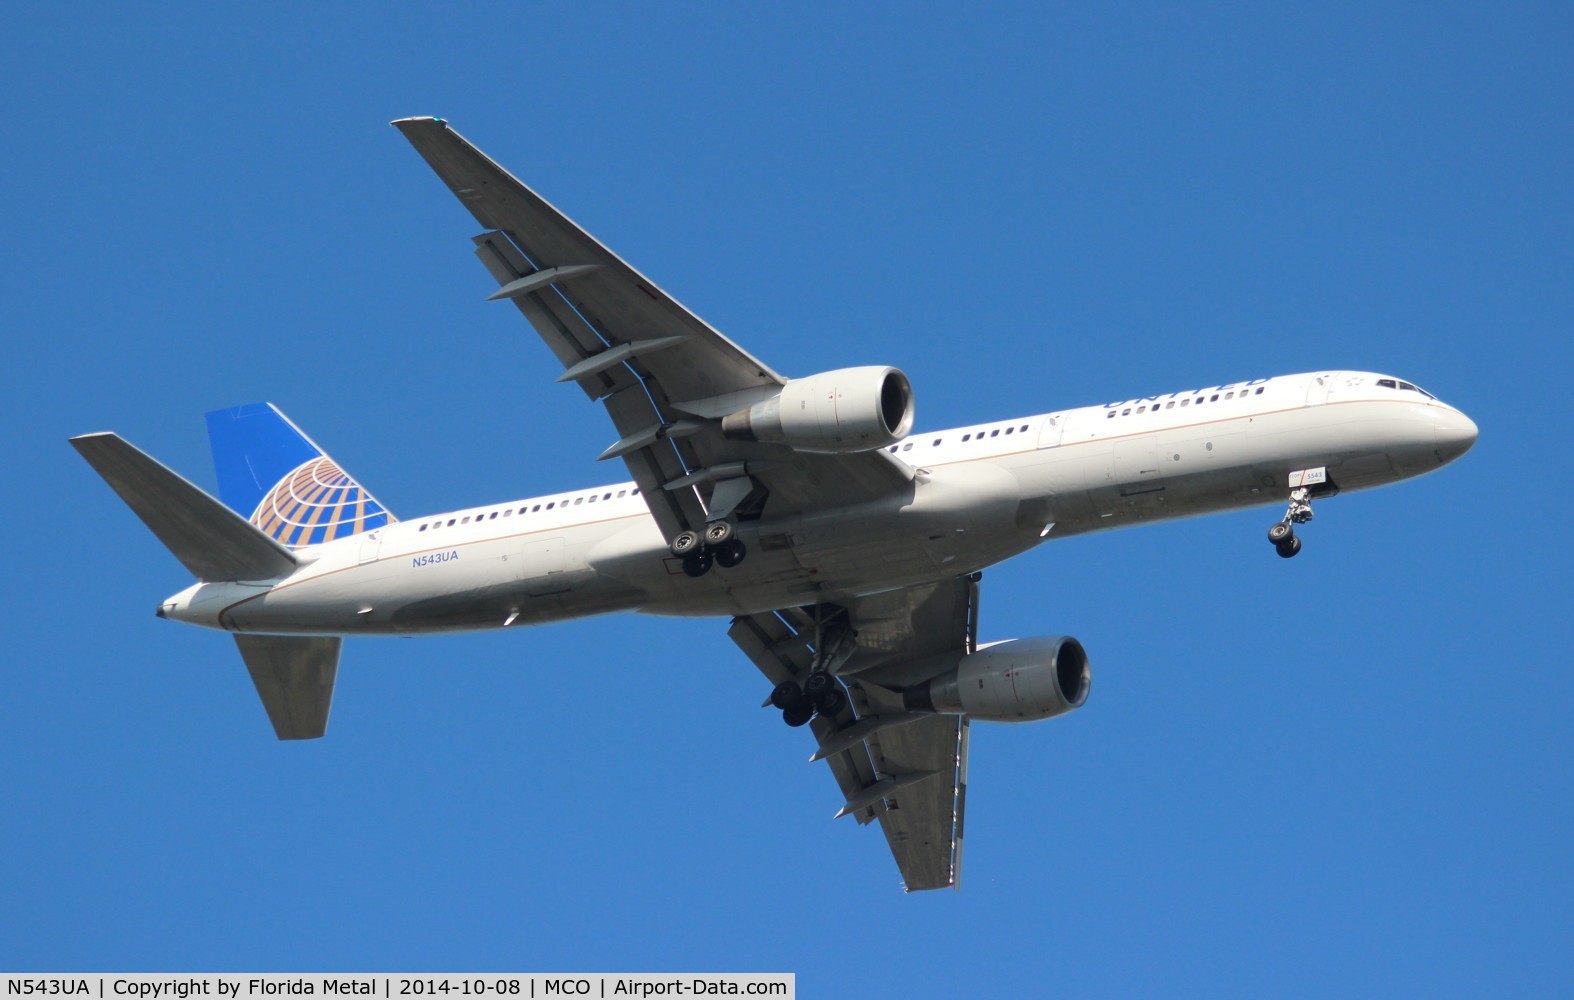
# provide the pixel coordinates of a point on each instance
(1455, 434)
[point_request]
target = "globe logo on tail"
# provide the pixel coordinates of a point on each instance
(317, 502)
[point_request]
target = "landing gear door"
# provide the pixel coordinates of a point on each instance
(1049, 434)
(1317, 392)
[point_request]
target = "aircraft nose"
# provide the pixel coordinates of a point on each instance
(1456, 433)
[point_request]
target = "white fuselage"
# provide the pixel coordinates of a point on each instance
(981, 495)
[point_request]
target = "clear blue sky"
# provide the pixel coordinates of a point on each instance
(1346, 773)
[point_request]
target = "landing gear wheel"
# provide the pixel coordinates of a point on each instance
(730, 553)
(1287, 550)
(686, 542)
(717, 532)
(1281, 533)
(787, 695)
(796, 717)
(817, 684)
(832, 702)
(697, 563)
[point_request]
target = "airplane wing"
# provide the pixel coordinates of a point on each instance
(663, 373)
(907, 771)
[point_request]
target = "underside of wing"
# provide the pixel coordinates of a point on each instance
(906, 770)
(666, 377)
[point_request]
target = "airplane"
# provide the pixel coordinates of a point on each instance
(845, 547)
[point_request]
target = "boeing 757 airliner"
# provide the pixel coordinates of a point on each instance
(845, 547)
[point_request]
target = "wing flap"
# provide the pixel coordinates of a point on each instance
(923, 820)
(294, 677)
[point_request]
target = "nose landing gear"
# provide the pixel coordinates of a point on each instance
(1282, 535)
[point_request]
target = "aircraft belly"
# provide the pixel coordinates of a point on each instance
(484, 583)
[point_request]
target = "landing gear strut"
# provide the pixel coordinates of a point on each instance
(1282, 535)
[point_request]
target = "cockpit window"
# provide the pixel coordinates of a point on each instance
(1389, 383)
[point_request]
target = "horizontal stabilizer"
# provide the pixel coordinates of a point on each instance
(211, 540)
(294, 676)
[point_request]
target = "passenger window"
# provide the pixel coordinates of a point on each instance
(635, 493)
(1186, 401)
(509, 512)
(1258, 392)
(622, 493)
(551, 505)
(1023, 428)
(935, 443)
(423, 527)
(464, 520)
(1142, 409)
(578, 501)
(1170, 405)
(1229, 395)
(908, 446)
(1213, 398)
(1108, 414)
(1126, 411)
(967, 437)
(492, 516)
(994, 433)
(592, 498)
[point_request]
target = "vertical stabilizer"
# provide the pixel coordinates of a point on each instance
(271, 473)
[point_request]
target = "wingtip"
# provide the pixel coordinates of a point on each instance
(417, 120)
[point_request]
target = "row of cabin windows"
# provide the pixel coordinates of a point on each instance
(979, 436)
(1155, 407)
(549, 505)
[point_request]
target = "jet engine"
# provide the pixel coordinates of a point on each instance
(1019, 680)
(852, 409)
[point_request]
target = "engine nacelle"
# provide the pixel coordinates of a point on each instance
(1019, 680)
(853, 409)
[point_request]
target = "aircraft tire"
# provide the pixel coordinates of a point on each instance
(1289, 549)
(697, 564)
(796, 717)
(1281, 533)
(787, 695)
(718, 533)
(730, 553)
(685, 543)
(817, 684)
(832, 702)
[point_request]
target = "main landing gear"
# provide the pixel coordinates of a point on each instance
(1282, 535)
(716, 544)
(820, 693)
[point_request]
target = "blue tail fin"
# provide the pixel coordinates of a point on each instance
(277, 477)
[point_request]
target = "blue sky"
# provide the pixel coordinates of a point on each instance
(1346, 773)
